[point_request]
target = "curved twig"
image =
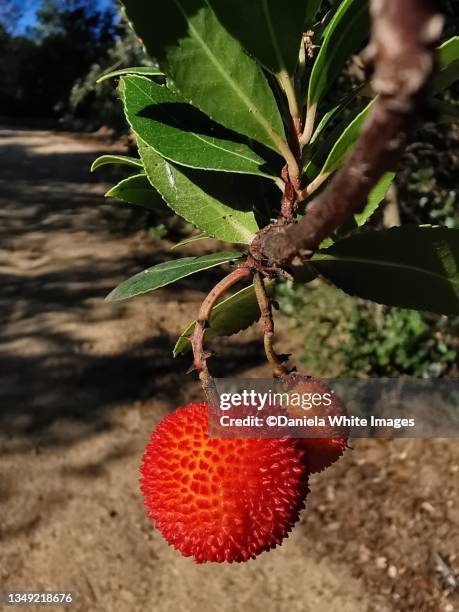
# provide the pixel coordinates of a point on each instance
(268, 326)
(197, 337)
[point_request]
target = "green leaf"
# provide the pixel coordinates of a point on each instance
(346, 141)
(319, 151)
(180, 132)
(189, 240)
(447, 69)
(448, 52)
(376, 196)
(335, 112)
(167, 273)
(270, 30)
(209, 67)
(410, 266)
(228, 317)
(136, 190)
(116, 159)
(210, 201)
(146, 70)
(342, 38)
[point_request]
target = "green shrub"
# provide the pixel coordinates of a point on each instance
(354, 338)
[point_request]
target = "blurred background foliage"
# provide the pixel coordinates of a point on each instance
(349, 337)
(49, 70)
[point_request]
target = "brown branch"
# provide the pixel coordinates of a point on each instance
(403, 37)
(268, 326)
(197, 337)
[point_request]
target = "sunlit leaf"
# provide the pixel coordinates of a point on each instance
(343, 37)
(145, 70)
(447, 69)
(334, 113)
(377, 195)
(116, 159)
(181, 133)
(189, 240)
(211, 201)
(167, 273)
(209, 66)
(346, 141)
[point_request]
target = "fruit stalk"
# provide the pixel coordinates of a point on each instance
(197, 338)
(264, 304)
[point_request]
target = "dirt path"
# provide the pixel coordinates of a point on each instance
(84, 382)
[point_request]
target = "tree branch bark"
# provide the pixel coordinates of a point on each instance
(402, 46)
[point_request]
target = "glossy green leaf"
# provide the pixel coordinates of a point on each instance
(270, 30)
(181, 133)
(335, 112)
(319, 151)
(447, 69)
(410, 266)
(211, 201)
(346, 141)
(189, 240)
(209, 66)
(136, 190)
(145, 70)
(167, 273)
(377, 195)
(342, 38)
(116, 159)
(228, 317)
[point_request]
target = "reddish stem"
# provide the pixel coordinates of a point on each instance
(264, 304)
(197, 337)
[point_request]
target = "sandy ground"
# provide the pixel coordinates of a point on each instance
(84, 382)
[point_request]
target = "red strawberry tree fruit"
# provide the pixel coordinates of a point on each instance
(237, 133)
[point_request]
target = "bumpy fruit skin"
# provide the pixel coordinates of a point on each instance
(320, 453)
(220, 499)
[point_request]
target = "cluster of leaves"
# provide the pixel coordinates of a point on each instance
(213, 133)
(355, 338)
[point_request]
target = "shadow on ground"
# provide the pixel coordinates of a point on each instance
(64, 353)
